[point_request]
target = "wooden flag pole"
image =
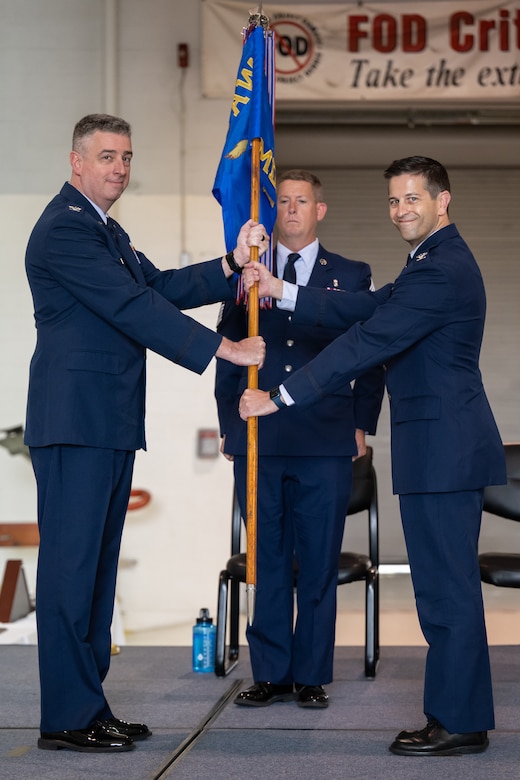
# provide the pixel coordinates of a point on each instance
(252, 422)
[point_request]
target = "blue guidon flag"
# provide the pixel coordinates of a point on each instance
(251, 116)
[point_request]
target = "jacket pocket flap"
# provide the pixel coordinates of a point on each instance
(423, 407)
(102, 362)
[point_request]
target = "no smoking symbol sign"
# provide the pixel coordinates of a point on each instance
(295, 47)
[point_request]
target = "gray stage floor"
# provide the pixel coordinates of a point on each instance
(199, 733)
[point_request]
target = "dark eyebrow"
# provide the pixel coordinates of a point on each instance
(113, 151)
(406, 195)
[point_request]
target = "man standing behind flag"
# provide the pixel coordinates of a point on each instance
(305, 464)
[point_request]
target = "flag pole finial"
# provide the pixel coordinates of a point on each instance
(258, 19)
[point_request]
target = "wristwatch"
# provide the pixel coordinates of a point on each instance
(233, 265)
(275, 396)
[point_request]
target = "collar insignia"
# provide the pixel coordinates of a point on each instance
(421, 256)
(323, 261)
(75, 208)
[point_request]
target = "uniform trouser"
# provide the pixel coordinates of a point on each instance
(83, 495)
(302, 503)
(441, 532)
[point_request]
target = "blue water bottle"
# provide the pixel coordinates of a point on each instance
(204, 633)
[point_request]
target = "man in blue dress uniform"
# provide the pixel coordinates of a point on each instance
(304, 464)
(98, 305)
(445, 444)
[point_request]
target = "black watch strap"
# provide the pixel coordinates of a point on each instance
(275, 396)
(234, 266)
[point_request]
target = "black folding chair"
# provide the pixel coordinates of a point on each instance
(353, 567)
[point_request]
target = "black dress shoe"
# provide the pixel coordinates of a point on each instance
(121, 727)
(96, 739)
(434, 740)
(261, 694)
(312, 696)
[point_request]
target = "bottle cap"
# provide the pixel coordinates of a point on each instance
(204, 616)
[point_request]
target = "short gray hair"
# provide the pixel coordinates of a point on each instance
(106, 123)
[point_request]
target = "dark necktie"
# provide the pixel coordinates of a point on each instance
(289, 272)
(128, 255)
(112, 227)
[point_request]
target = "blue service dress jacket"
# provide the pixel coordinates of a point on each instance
(328, 428)
(99, 304)
(428, 334)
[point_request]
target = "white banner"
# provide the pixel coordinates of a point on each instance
(467, 51)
